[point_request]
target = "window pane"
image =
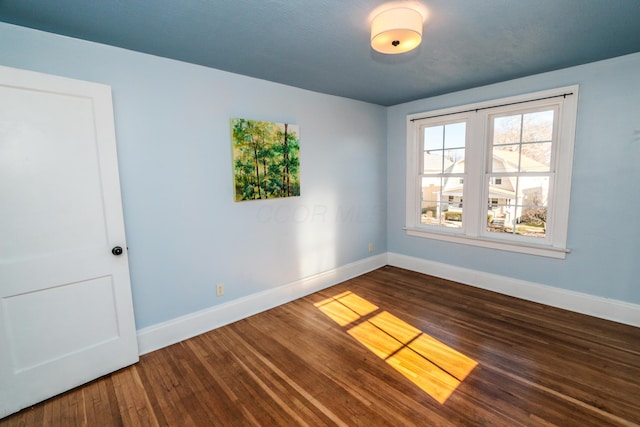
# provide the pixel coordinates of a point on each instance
(453, 187)
(455, 135)
(538, 126)
(433, 162)
(449, 161)
(536, 157)
(431, 189)
(533, 191)
(506, 130)
(504, 191)
(502, 188)
(441, 202)
(505, 158)
(501, 203)
(528, 151)
(452, 216)
(524, 213)
(454, 161)
(433, 138)
(430, 205)
(532, 222)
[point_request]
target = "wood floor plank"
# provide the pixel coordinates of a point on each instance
(388, 348)
(134, 404)
(101, 404)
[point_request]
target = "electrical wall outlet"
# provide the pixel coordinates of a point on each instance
(220, 289)
(370, 247)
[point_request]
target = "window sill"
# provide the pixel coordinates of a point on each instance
(523, 248)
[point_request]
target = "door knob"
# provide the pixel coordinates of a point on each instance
(116, 251)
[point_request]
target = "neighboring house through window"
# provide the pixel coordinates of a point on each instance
(510, 160)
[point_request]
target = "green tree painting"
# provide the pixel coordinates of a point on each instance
(266, 162)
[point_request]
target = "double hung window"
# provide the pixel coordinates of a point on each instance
(495, 174)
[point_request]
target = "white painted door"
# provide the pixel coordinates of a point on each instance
(66, 315)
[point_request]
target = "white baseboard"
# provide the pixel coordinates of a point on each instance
(170, 332)
(604, 308)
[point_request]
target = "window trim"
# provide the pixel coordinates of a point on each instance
(477, 115)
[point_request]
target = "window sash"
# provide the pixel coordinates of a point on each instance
(448, 174)
(509, 229)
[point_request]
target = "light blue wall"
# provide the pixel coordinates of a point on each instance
(604, 232)
(185, 233)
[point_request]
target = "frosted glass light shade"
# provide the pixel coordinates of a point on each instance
(396, 30)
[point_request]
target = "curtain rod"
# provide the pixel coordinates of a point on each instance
(564, 95)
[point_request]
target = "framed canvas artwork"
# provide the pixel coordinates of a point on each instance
(266, 162)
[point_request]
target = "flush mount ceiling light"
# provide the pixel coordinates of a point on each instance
(396, 30)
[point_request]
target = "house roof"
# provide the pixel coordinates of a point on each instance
(513, 159)
(497, 192)
(323, 45)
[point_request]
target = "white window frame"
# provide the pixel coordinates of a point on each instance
(473, 231)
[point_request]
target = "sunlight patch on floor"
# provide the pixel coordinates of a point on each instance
(346, 308)
(430, 364)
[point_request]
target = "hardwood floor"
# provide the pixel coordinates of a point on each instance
(389, 348)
